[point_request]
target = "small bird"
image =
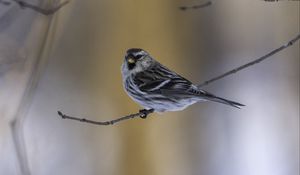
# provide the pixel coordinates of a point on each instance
(156, 87)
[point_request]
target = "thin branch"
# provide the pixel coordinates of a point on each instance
(142, 114)
(43, 11)
(206, 4)
(291, 42)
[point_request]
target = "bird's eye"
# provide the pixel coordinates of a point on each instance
(131, 60)
(138, 56)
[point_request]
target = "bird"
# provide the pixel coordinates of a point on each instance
(155, 87)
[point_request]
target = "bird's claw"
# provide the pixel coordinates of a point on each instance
(144, 113)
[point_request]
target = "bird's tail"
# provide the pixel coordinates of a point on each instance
(224, 101)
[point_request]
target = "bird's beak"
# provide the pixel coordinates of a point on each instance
(131, 60)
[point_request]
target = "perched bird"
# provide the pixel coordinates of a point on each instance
(154, 86)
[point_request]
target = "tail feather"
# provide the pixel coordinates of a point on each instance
(225, 101)
(203, 95)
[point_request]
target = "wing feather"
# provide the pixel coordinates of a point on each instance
(159, 79)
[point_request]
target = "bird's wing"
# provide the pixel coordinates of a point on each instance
(162, 80)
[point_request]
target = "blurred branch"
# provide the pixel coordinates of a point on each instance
(142, 114)
(5, 2)
(291, 42)
(43, 11)
(18, 141)
(279, 0)
(209, 3)
(206, 4)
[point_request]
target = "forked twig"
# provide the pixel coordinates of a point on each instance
(144, 113)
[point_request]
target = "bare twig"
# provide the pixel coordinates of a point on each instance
(291, 42)
(46, 12)
(142, 114)
(206, 4)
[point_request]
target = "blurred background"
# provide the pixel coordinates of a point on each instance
(71, 60)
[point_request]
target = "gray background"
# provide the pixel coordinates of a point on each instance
(71, 62)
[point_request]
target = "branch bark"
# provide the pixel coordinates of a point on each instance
(144, 113)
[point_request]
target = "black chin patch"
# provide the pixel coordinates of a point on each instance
(131, 66)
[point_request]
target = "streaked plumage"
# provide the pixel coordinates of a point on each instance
(154, 86)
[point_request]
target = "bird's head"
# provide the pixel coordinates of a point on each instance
(136, 60)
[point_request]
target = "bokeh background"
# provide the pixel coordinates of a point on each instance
(70, 61)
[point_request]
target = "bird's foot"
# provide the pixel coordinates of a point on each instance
(145, 112)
